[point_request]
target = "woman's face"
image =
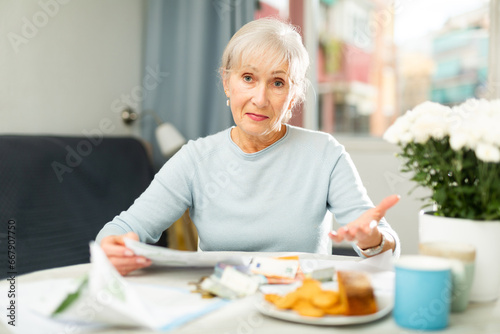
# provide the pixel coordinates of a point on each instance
(260, 96)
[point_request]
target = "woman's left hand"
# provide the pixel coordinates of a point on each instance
(364, 230)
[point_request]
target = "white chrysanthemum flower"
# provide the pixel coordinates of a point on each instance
(398, 130)
(473, 122)
(392, 135)
(456, 118)
(490, 130)
(431, 124)
(420, 132)
(495, 107)
(406, 137)
(430, 107)
(439, 132)
(458, 140)
(487, 153)
(475, 128)
(476, 106)
(410, 116)
(470, 132)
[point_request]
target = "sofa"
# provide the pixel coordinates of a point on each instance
(57, 192)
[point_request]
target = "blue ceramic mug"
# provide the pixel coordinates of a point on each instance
(422, 292)
(463, 257)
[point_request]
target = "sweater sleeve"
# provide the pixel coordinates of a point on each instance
(348, 199)
(160, 205)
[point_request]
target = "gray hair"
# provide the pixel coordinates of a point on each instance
(275, 42)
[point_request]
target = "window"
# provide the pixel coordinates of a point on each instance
(377, 59)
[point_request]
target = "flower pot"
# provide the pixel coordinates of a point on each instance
(484, 235)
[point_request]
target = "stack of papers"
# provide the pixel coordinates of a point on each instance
(103, 298)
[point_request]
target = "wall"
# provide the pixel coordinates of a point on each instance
(379, 169)
(66, 66)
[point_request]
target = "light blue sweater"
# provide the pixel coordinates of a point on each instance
(272, 200)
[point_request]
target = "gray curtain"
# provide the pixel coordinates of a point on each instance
(184, 43)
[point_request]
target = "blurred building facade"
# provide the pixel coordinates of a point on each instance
(460, 52)
(415, 69)
(356, 66)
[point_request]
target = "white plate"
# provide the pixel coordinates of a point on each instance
(384, 303)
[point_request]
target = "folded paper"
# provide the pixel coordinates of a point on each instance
(103, 298)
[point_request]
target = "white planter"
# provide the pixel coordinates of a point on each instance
(485, 236)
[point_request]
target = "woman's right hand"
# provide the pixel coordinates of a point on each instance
(124, 260)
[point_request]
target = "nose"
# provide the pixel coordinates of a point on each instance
(259, 98)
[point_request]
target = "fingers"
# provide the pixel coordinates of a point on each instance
(114, 246)
(132, 235)
(122, 258)
(116, 250)
(354, 231)
(348, 233)
(334, 236)
(385, 205)
(127, 265)
(359, 230)
(364, 230)
(364, 235)
(120, 239)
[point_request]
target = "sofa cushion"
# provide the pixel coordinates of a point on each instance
(58, 192)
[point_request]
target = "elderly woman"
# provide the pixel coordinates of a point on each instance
(262, 185)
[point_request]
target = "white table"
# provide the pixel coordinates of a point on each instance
(242, 317)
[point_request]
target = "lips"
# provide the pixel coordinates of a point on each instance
(257, 117)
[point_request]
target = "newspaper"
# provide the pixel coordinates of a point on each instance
(103, 298)
(161, 256)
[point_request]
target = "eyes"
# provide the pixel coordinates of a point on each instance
(276, 82)
(279, 84)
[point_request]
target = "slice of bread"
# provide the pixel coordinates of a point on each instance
(356, 293)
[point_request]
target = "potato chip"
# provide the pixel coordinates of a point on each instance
(309, 288)
(305, 308)
(337, 309)
(287, 301)
(311, 300)
(308, 300)
(325, 299)
(271, 297)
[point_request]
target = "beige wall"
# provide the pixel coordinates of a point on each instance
(66, 66)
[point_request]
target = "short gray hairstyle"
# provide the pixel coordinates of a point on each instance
(276, 42)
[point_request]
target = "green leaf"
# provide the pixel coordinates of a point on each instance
(462, 186)
(71, 297)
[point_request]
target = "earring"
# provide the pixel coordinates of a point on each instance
(227, 102)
